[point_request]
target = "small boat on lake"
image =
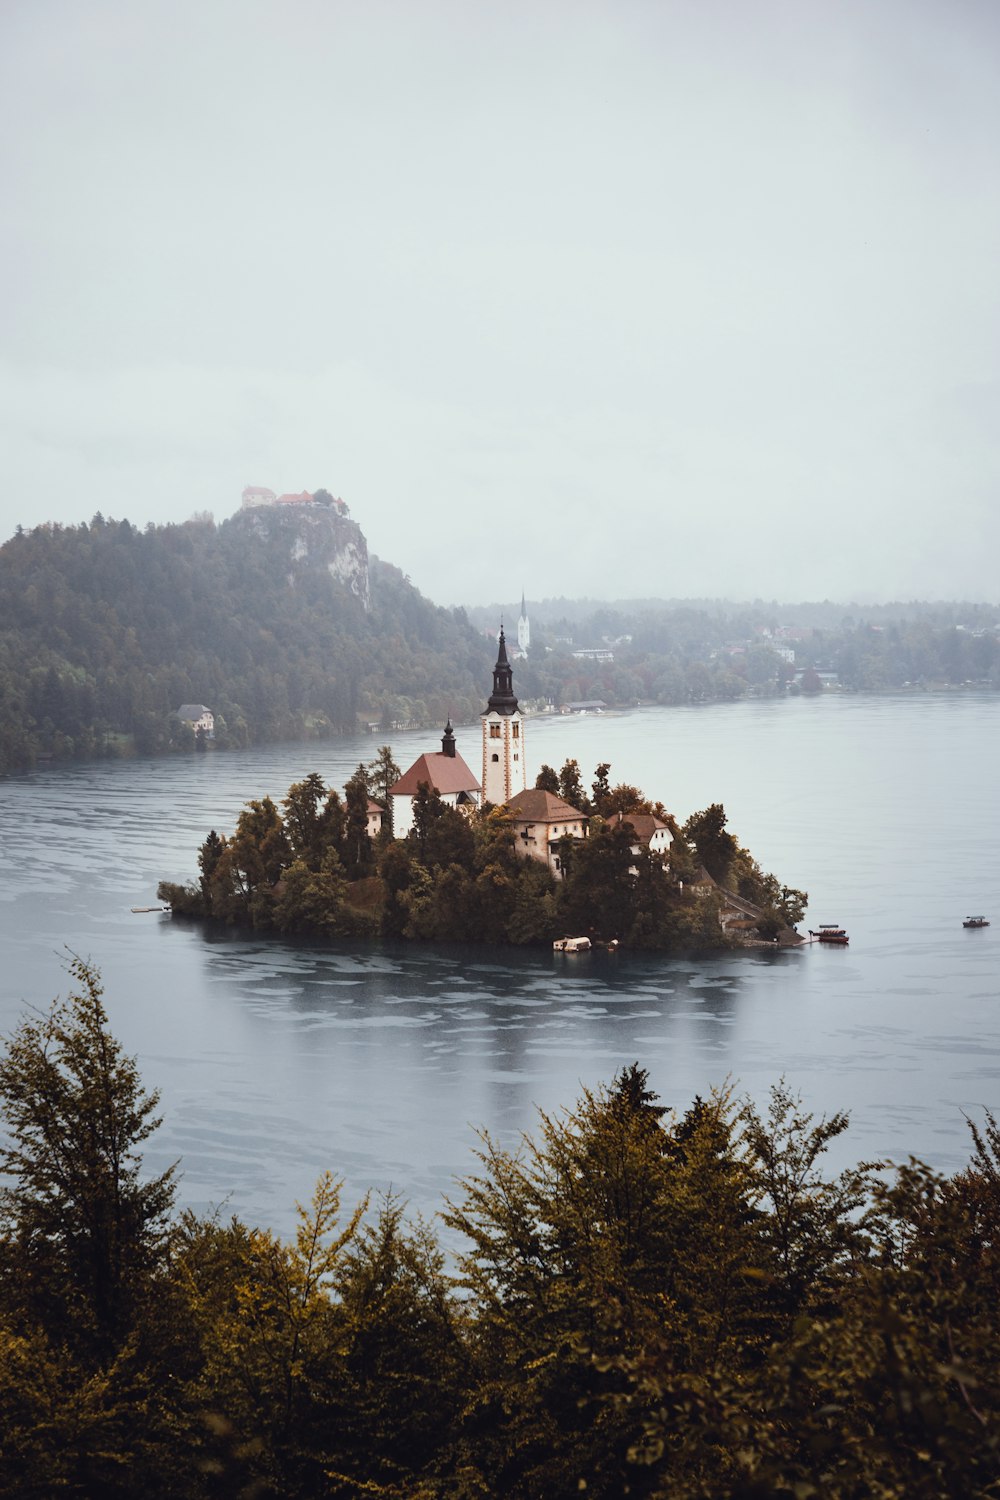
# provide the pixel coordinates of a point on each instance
(975, 922)
(571, 945)
(829, 932)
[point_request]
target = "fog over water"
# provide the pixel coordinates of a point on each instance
(696, 297)
(277, 1060)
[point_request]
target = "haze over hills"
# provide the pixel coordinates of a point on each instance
(280, 623)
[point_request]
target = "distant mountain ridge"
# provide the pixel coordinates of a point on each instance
(276, 619)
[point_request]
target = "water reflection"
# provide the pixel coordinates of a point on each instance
(394, 1056)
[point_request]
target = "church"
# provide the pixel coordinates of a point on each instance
(445, 772)
(504, 769)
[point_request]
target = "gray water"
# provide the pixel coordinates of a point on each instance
(276, 1060)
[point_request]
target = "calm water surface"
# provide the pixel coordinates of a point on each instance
(277, 1060)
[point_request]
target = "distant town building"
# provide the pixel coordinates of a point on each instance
(584, 706)
(593, 653)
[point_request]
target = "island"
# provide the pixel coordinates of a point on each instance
(437, 854)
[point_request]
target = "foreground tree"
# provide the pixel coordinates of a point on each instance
(81, 1229)
(271, 1335)
(609, 1236)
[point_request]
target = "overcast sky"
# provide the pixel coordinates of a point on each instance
(693, 297)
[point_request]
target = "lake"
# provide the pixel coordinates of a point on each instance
(276, 1060)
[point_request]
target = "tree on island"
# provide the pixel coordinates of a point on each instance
(547, 780)
(457, 876)
(383, 773)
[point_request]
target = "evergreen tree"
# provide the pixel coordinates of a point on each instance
(405, 1367)
(357, 844)
(383, 773)
(82, 1231)
(302, 818)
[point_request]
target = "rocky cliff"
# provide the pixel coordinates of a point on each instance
(310, 537)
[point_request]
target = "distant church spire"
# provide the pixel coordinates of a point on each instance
(448, 740)
(523, 628)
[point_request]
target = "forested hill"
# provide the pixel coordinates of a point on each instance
(276, 620)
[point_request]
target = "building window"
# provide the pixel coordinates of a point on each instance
(515, 730)
(515, 755)
(494, 758)
(494, 733)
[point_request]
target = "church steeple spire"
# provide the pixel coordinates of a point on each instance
(502, 699)
(503, 735)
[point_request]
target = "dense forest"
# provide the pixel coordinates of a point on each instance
(309, 866)
(275, 620)
(639, 1301)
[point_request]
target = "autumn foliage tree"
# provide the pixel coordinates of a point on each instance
(677, 1305)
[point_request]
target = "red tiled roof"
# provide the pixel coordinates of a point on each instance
(445, 773)
(536, 806)
(294, 499)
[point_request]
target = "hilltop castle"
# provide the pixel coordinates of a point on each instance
(255, 495)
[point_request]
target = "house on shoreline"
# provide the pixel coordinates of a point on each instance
(199, 718)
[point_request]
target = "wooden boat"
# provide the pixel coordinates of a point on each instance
(829, 932)
(571, 945)
(975, 922)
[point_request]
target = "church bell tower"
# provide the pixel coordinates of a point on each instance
(504, 770)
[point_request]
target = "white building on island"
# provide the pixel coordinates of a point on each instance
(541, 820)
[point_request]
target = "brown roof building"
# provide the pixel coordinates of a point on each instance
(445, 772)
(648, 830)
(541, 819)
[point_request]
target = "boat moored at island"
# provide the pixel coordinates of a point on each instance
(571, 945)
(975, 922)
(829, 932)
